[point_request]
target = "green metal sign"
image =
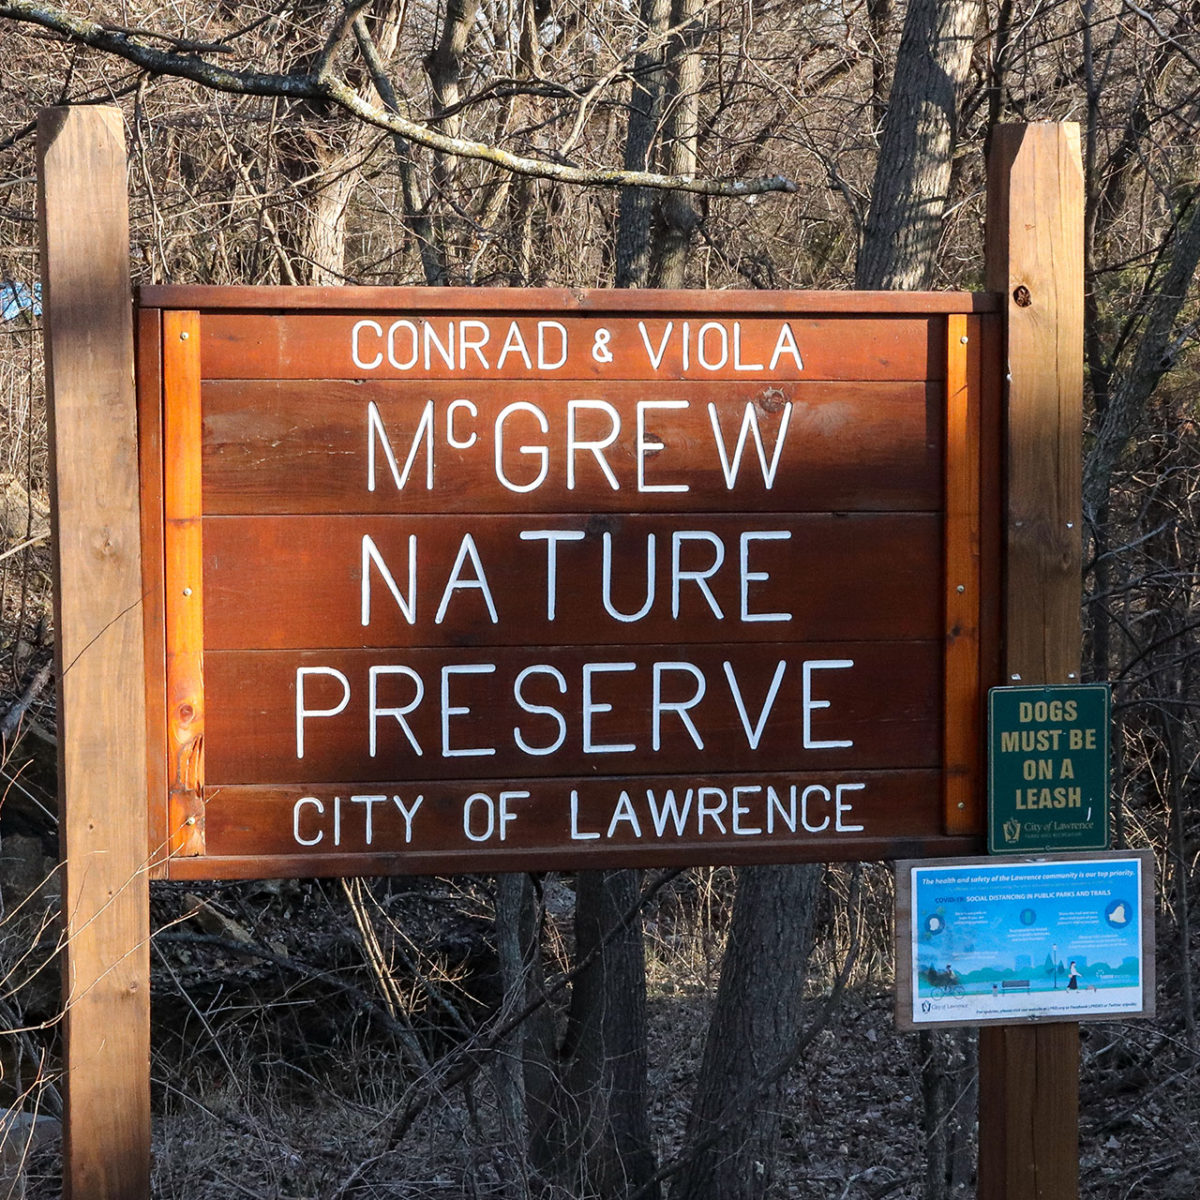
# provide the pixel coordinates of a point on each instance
(1048, 768)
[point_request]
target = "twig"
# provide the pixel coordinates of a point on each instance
(310, 86)
(12, 718)
(33, 541)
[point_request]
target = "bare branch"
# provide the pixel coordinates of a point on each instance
(305, 86)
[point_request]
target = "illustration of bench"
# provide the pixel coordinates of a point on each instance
(1015, 985)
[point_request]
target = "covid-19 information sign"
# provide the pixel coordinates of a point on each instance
(982, 941)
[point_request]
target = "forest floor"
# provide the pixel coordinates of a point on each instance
(282, 1062)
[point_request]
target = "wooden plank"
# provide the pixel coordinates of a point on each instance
(425, 344)
(574, 816)
(1028, 1113)
(184, 580)
(99, 653)
(294, 582)
(150, 470)
(841, 447)
(294, 866)
(1029, 1078)
(461, 710)
(991, 491)
(1040, 269)
(403, 300)
(964, 809)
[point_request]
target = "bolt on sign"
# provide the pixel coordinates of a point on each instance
(471, 580)
(1048, 781)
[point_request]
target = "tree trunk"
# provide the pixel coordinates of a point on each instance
(678, 214)
(606, 1054)
(526, 1090)
(635, 209)
(899, 250)
(733, 1129)
(912, 177)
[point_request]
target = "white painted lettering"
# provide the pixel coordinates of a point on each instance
(408, 811)
(842, 807)
(592, 708)
(624, 812)
(320, 833)
(749, 429)
(355, 346)
(406, 604)
(786, 344)
(451, 440)
(539, 453)
(303, 713)
(645, 446)
(809, 704)
(552, 537)
(753, 735)
(748, 576)
(450, 710)
(543, 357)
(374, 711)
(680, 707)
(540, 709)
(578, 835)
(740, 810)
(607, 580)
(376, 432)
(467, 550)
(575, 444)
(699, 578)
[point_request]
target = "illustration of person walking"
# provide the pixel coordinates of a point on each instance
(1073, 980)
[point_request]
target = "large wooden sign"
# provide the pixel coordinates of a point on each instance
(436, 580)
(486, 579)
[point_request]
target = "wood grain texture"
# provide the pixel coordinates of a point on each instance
(577, 300)
(573, 818)
(295, 866)
(886, 703)
(962, 723)
(305, 446)
(150, 469)
(297, 582)
(99, 651)
(426, 344)
(1036, 259)
(1029, 1078)
(183, 527)
(1029, 1111)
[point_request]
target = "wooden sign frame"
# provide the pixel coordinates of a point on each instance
(202, 347)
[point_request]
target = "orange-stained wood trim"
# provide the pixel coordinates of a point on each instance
(184, 581)
(963, 810)
(150, 471)
(382, 299)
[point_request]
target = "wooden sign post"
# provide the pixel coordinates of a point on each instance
(1029, 1075)
(98, 645)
